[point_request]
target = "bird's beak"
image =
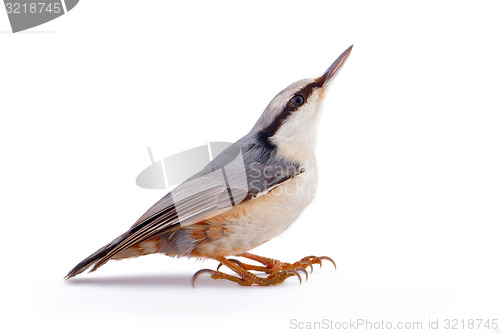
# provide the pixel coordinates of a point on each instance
(330, 72)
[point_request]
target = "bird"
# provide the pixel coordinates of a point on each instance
(250, 193)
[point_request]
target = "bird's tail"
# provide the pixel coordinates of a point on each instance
(95, 257)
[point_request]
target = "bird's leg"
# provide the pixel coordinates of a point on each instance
(247, 266)
(273, 265)
(247, 278)
(262, 268)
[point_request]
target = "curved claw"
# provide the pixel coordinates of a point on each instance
(236, 261)
(202, 271)
(303, 270)
(329, 259)
(291, 271)
(307, 262)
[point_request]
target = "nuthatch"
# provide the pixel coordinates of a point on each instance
(247, 195)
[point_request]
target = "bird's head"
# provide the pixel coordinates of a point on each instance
(288, 124)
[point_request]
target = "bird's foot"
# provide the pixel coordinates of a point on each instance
(277, 271)
(247, 278)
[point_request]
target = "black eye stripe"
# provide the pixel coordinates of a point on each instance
(306, 92)
(270, 130)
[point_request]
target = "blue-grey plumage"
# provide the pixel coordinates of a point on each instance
(250, 193)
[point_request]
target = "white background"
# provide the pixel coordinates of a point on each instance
(408, 150)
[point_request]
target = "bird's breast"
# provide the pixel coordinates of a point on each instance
(257, 220)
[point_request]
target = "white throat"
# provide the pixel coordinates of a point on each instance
(296, 138)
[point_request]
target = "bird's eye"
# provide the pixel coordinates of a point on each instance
(297, 100)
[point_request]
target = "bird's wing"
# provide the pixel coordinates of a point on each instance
(238, 174)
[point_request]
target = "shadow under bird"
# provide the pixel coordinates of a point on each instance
(250, 193)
